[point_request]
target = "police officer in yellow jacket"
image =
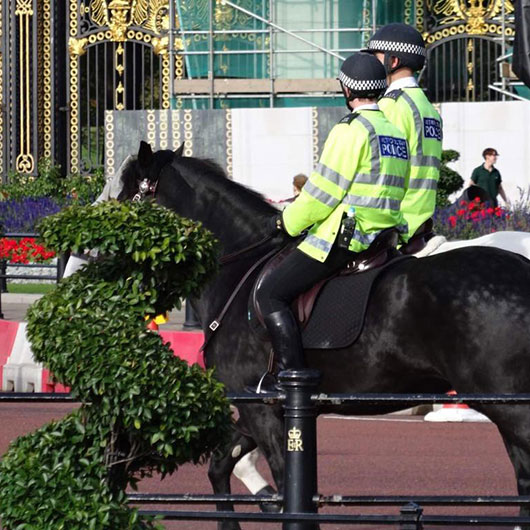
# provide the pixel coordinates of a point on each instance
(401, 49)
(361, 175)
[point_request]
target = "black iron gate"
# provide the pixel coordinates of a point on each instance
(63, 64)
(118, 60)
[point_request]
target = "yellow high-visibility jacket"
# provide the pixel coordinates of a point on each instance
(364, 164)
(413, 114)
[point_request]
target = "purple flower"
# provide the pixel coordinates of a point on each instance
(22, 215)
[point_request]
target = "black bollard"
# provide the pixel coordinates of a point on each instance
(3, 272)
(190, 319)
(300, 480)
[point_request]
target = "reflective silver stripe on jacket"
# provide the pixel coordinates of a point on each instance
(319, 243)
(417, 123)
(374, 144)
(320, 195)
(380, 203)
(425, 160)
(423, 184)
(333, 176)
(381, 180)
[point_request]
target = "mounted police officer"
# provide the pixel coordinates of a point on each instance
(356, 189)
(401, 49)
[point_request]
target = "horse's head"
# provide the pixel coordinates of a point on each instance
(198, 189)
(141, 174)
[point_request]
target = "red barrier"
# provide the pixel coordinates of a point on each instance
(186, 345)
(8, 333)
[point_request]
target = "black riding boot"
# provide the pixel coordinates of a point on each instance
(286, 345)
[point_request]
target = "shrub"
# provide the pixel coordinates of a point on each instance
(450, 181)
(49, 182)
(143, 410)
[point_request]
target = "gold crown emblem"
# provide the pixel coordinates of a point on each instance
(294, 434)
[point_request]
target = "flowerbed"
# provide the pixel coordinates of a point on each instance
(471, 219)
(22, 215)
(23, 251)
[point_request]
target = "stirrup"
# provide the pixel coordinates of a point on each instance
(262, 387)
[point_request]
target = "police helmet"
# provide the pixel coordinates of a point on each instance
(401, 41)
(364, 75)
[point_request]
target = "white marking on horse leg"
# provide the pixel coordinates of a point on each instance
(236, 451)
(245, 470)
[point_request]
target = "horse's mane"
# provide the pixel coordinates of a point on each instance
(236, 194)
(201, 170)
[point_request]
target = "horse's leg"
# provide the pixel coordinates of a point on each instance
(222, 464)
(512, 422)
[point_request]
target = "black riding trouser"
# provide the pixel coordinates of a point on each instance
(296, 274)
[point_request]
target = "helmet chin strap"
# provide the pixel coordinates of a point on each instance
(388, 63)
(347, 97)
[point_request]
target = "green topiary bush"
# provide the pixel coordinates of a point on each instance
(450, 181)
(143, 410)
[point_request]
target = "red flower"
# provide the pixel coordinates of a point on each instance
(460, 212)
(25, 250)
(452, 220)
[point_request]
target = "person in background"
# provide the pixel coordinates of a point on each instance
(353, 194)
(488, 177)
(298, 183)
(401, 50)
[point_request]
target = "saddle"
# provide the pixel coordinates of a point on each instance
(420, 238)
(341, 299)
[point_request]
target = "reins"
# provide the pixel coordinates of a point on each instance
(216, 322)
(231, 257)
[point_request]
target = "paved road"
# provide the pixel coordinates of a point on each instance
(14, 307)
(375, 455)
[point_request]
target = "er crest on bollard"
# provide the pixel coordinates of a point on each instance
(294, 440)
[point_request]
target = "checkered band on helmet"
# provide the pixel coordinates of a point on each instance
(362, 85)
(400, 47)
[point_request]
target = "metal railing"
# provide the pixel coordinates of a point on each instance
(300, 499)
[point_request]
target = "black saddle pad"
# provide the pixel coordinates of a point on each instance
(338, 314)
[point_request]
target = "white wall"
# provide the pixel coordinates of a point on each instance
(271, 146)
(504, 125)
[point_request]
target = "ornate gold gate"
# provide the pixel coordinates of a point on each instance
(464, 40)
(25, 84)
(118, 59)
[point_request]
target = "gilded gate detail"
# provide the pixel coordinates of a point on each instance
(126, 38)
(463, 39)
(65, 64)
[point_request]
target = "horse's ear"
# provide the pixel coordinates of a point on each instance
(180, 150)
(145, 154)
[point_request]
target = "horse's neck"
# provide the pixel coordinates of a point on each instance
(235, 230)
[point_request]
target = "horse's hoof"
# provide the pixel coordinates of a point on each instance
(269, 507)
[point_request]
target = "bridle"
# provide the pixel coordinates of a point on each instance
(145, 187)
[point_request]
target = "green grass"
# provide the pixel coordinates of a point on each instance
(30, 288)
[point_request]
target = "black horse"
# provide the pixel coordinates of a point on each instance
(459, 319)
